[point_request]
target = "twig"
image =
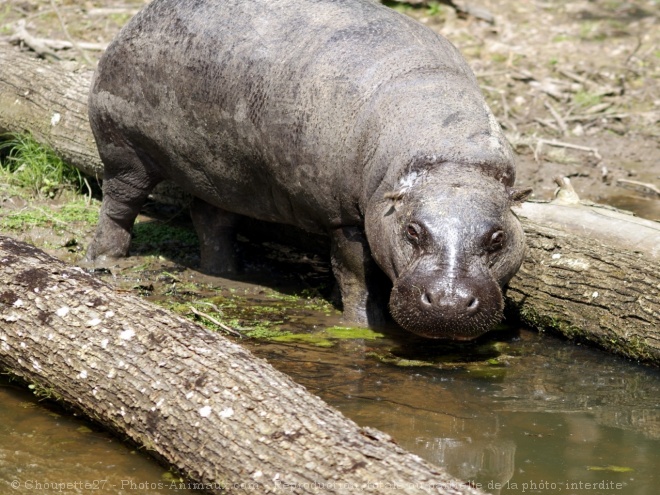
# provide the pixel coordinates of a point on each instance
(87, 60)
(562, 144)
(103, 11)
(547, 123)
(598, 108)
(88, 201)
(35, 44)
(549, 87)
(635, 50)
(596, 116)
(67, 45)
(576, 77)
(481, 75)
(557, 117)
(644, 186)
(44, 46)
(216, 322)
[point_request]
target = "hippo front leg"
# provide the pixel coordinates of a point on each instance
(121, 204)
(361, 283)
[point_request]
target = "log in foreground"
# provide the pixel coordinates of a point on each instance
(581, 282)
(191, 397)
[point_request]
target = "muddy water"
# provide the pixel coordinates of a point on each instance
(645, 207)
(517, 412)
(45, 450)
(521, 413)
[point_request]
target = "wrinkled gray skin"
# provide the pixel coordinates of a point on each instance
(337, 116)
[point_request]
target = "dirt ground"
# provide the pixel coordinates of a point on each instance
(580, 72)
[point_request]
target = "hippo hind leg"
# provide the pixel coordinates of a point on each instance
(129, 178)
(215, 229)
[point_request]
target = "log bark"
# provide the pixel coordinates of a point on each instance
(193, 398)
(48, 100)
(592, 275)
(586, 277)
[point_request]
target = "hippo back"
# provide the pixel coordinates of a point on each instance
(285, 110)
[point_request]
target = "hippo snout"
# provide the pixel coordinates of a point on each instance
(441, 305)
(462, 300)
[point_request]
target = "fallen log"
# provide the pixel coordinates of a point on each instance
(586, 288)
(50, 102)
(576, 281)
(225, 418)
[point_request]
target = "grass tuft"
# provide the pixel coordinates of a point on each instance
(28, 164)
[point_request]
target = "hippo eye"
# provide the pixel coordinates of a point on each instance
(413, 232)
(496, 240)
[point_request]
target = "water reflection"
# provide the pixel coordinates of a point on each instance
(544, 416)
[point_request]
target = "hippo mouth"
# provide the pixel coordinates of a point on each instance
(457, 308)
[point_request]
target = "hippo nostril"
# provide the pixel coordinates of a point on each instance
(473, 304)
(426, 299)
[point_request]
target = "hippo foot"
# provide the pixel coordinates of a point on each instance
(359, 316)
(111, 242)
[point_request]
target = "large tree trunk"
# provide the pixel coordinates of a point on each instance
(204, 404)
(598, 284)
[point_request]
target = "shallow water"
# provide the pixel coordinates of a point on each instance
(642, 206)
(518, 412)
(524, 413)
(44, 450)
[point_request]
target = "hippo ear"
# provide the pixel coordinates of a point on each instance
(395, 195)
(517, 196)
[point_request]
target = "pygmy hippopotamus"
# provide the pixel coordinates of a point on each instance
(341, 117)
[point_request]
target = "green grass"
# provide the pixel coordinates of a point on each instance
(5, 27)
(398, 6)
(499, 58)
(31, 169)
(561, 37)
(585, 99)
(591, 31)
(430, 9)
(433, 8)
(57, 217)
(27, 164)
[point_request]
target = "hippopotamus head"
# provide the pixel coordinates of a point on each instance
(448, 240)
